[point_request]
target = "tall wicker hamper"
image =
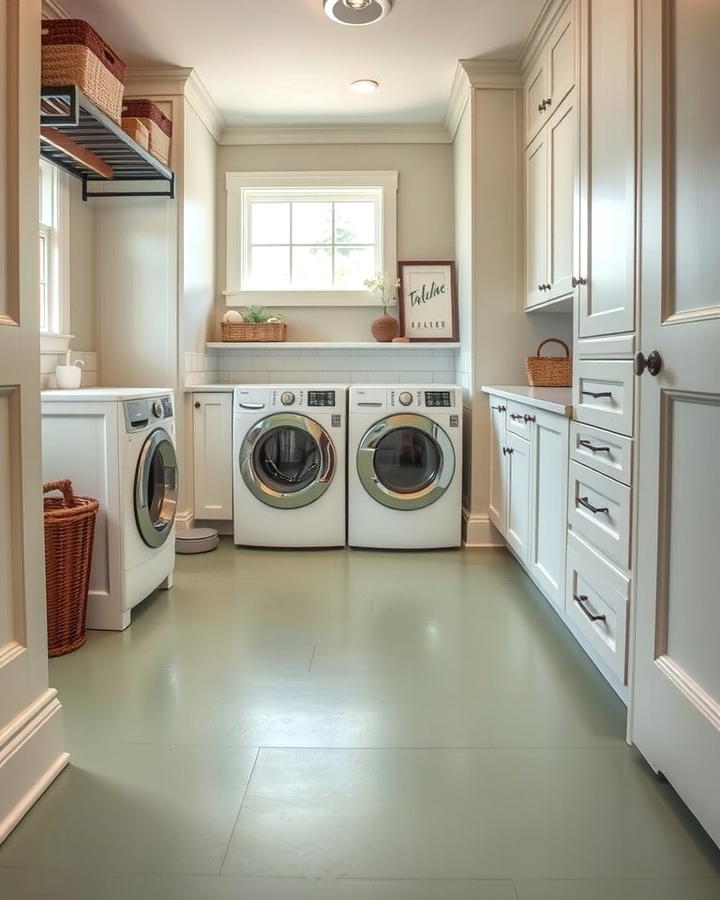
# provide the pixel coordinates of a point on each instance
(69, 533)
(157, 124)
(74, 53)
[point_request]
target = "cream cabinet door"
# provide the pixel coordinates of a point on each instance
(548, 507)
(498, 465)
(212, 456)
(536, 93)
(562, 143)
(31, 740)
(518, 495)
(561, 55)
(536, 188)
(606, 261)
(676, 709)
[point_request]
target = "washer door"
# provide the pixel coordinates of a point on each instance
(406, 462)
(287, 460)
(156, 483)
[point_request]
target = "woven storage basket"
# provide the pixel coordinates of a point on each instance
(254, 331)
(137, 130)
(550, 371)
(69, 533)
(74, 53)
(157, 124)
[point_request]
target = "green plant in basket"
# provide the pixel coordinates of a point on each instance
(258, 315)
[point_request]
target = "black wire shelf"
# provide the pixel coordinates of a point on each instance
(70, 122)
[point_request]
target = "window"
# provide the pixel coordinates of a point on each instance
(309, 238)
(53, 270)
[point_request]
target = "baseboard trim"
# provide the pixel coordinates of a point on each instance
(184, 520)
(31, 758)
(478, 531)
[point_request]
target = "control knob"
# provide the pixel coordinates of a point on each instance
(405, 398)
(157, 409)
(287, 398)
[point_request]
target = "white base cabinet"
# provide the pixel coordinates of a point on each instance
(212, 456)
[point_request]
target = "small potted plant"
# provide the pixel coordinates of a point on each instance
(254, 324)
(385, 327)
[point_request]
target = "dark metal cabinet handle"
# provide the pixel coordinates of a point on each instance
(583, 501)
(516, 417)
(576, 282)
(653, 363)
(595, 396)
(548, 102)
(593, 448)
(529, 418)
(541, 287)
(507, 450)
(499, 408)
(198, 404)
(581, 601)
(541, 106)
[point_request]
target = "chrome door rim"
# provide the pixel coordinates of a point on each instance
(269, 495)
(155, 534)
(393, 499)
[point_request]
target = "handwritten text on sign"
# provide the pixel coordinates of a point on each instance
(428, 301)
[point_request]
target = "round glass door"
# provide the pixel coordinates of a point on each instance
(156, 489)
(287, 461)
(406, 462)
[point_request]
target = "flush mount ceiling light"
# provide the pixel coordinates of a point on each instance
(364, 86)
(356, 12)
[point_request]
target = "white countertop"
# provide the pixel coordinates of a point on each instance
(103, 395)
(419, 346)
(556, 400)
(210, 388)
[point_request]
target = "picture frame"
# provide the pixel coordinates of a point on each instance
(428, 303)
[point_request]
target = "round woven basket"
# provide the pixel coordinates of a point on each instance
(253, 331)
(69, 533)
(549, 371)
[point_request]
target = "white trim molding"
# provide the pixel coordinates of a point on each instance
(478, 531)
(334, 134)
(539, 33)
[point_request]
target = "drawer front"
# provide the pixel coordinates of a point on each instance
(599, 511)
(604, 395)
(520, 419)
(604, 451)
(597, 604)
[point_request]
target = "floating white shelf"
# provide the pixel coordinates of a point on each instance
(332, 345)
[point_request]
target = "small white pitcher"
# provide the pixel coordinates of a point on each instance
(69, 377)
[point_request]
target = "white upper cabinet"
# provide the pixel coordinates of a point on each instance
(552, 76)
(562, 164)
(607, 168)
(537, 206)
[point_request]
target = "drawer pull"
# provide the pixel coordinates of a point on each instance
(507, 450)
(593, 448)
(529, 418)
(581, 601)
(583, 501)
(516, 417)
(499, 408)
(596, 396)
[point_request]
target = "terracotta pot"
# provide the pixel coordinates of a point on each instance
(385, 328)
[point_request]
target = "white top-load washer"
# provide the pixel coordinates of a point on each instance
(405, 466)
(118, 446)
(289, 465)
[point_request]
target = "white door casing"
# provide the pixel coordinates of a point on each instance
(676, 695)
(31, 751)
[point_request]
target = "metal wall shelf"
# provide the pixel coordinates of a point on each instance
(67, 116)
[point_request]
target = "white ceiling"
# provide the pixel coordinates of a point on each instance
(282, 62)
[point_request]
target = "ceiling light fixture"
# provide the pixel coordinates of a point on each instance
(357, 12)
(364, 86)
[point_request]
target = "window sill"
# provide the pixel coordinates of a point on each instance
(55, 343)
(337, 299)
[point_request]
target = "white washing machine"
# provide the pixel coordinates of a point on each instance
(118, 446)
(289, 465)
(405, 466)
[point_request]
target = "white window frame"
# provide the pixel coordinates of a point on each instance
(242, 187)
(55, 336)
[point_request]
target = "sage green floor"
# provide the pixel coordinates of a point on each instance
(348, 725)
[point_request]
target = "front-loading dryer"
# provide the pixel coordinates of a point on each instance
(405, 466)
(117, 445)
(289, 465)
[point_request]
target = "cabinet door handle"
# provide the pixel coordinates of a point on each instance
(548, 287)
(507, 450)
(541, 287)
(198, 404)
(516, 416)
(581, 601)
(653, 363)
(593, 448)
(529, 418)
(541, 107)
(548, 102)
(595, 396)
(499, 408)
(576, 282)
(583, 501)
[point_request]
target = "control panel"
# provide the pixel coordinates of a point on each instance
(146, 411)
(437, 398)
(321, 398)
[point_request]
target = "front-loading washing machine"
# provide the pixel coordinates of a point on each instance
(118, 446)
(405, 466)
(289, 465)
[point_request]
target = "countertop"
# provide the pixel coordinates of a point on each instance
(555, 400)
(210, 388)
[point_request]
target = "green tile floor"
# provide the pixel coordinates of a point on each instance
(349, 725)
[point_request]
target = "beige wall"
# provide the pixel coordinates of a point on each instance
(425, 214)
(83, 298)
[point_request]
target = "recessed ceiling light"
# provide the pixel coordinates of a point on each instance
(364, 86)
(357, 12)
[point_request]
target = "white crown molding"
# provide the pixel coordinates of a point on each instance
(199, 98)
(334, 134)
(53, 10)
(457, 102)
(539, 33)
(493, 74)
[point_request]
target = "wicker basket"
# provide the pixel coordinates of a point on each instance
(253, 331)
(550, 371)
(69, 533)
(157, 124)
(74, 53)
(137, 130)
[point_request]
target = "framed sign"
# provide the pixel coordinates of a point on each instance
(428, 301)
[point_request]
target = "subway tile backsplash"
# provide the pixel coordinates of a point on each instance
(49, 361)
